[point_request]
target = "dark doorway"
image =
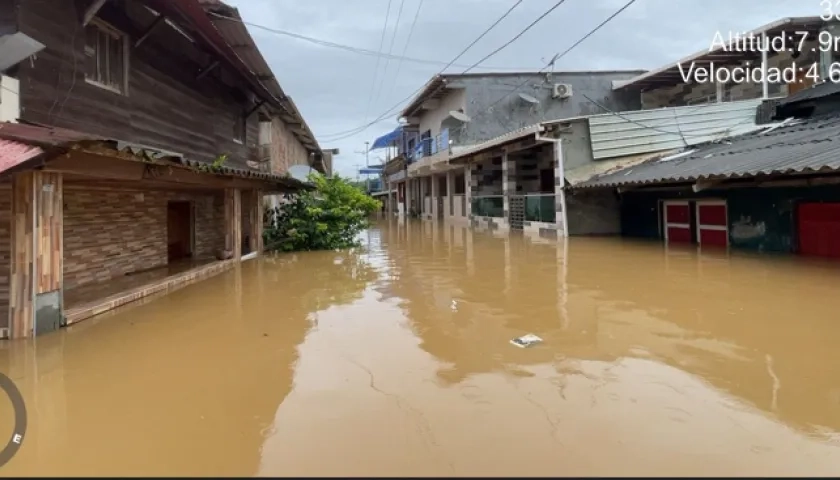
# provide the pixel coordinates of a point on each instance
(179, 230)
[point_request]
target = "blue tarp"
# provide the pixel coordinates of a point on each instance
(387, 140)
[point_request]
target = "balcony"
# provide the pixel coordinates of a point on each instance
(430, 155)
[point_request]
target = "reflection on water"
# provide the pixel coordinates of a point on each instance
(394, 360)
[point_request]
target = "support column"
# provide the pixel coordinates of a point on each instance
(435, 194)
(37, 254)
(471, 183)
(450, 193)
(255, 235)
(508, 183)
(233, 222)
(559, 192)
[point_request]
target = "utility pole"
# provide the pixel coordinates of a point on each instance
(367, 152)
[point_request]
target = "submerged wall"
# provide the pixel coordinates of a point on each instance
(762, 219)
(110, 232)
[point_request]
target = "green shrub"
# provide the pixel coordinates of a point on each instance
(328, 217)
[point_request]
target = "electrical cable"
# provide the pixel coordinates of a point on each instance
(378, 59)
(390, 49)
(405, 48)
(347, 133)
(350, 48)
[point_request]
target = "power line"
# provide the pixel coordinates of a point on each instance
(515, 38)
(405, 48)
(347, 133)
(554, 60)
(390, 49)
(378, 59)
(350, 48)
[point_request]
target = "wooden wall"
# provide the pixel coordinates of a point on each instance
(166, 106)
(233, 221)
(36, 245)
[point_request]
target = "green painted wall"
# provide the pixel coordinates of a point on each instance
(762, 219)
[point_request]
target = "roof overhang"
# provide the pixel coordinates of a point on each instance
(434, 90)
(670, 74)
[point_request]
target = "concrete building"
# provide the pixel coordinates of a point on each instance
(524, 177)
(455, 112)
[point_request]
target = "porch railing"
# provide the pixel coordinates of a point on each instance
(489, 206)
(539, 207)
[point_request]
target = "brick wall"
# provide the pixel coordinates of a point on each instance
(108, 233)
(286, 150)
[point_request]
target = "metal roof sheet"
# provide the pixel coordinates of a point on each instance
(14, 153)
(809, 146)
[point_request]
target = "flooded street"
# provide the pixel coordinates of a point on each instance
(395, 360)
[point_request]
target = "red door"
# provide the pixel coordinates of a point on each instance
(712, 223)
(677, 222)
(819, 229)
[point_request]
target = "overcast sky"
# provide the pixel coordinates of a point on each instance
(332, 87)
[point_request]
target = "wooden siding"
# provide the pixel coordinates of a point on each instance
(109, 232)
(35, 245)
(166, 107)
(256, 221)
(49, 244)
(233, 221)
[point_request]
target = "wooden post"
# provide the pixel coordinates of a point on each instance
(36, 270)
(256, 222)
(233, 222)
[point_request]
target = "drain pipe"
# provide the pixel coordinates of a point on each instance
(559, 181)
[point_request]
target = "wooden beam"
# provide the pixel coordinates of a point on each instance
(160, 19)
(254, 109)
(107, 168)
(203, 73)
(91, 11)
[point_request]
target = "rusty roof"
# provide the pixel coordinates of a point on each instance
(228, 22)
(32, 140)
(41, 136)
(13, 154)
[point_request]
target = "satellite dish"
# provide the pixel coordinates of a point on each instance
(300, 172)
(460, 116)
(528, 99)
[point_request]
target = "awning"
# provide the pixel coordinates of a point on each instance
(388, 140)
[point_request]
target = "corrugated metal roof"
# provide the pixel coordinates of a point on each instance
(809, 146)
(19, 137)
(644, 131)
(41, 136)
(14, 153)
(467, 150)
(229, 24)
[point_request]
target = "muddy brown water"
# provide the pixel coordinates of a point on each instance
(395, 360)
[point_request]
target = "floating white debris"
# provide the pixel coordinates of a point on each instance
(526, 341)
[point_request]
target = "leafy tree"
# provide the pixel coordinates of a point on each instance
(328, 217)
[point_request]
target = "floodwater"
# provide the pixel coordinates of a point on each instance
(395, 360)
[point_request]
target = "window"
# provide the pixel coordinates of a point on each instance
(239, 128)
(106, 57)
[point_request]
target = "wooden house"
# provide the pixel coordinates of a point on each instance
(129, 159)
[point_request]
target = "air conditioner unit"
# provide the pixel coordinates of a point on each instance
(561, 90)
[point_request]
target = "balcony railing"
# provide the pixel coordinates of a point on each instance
(489, 206)
(427, 147)
(539, 207)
